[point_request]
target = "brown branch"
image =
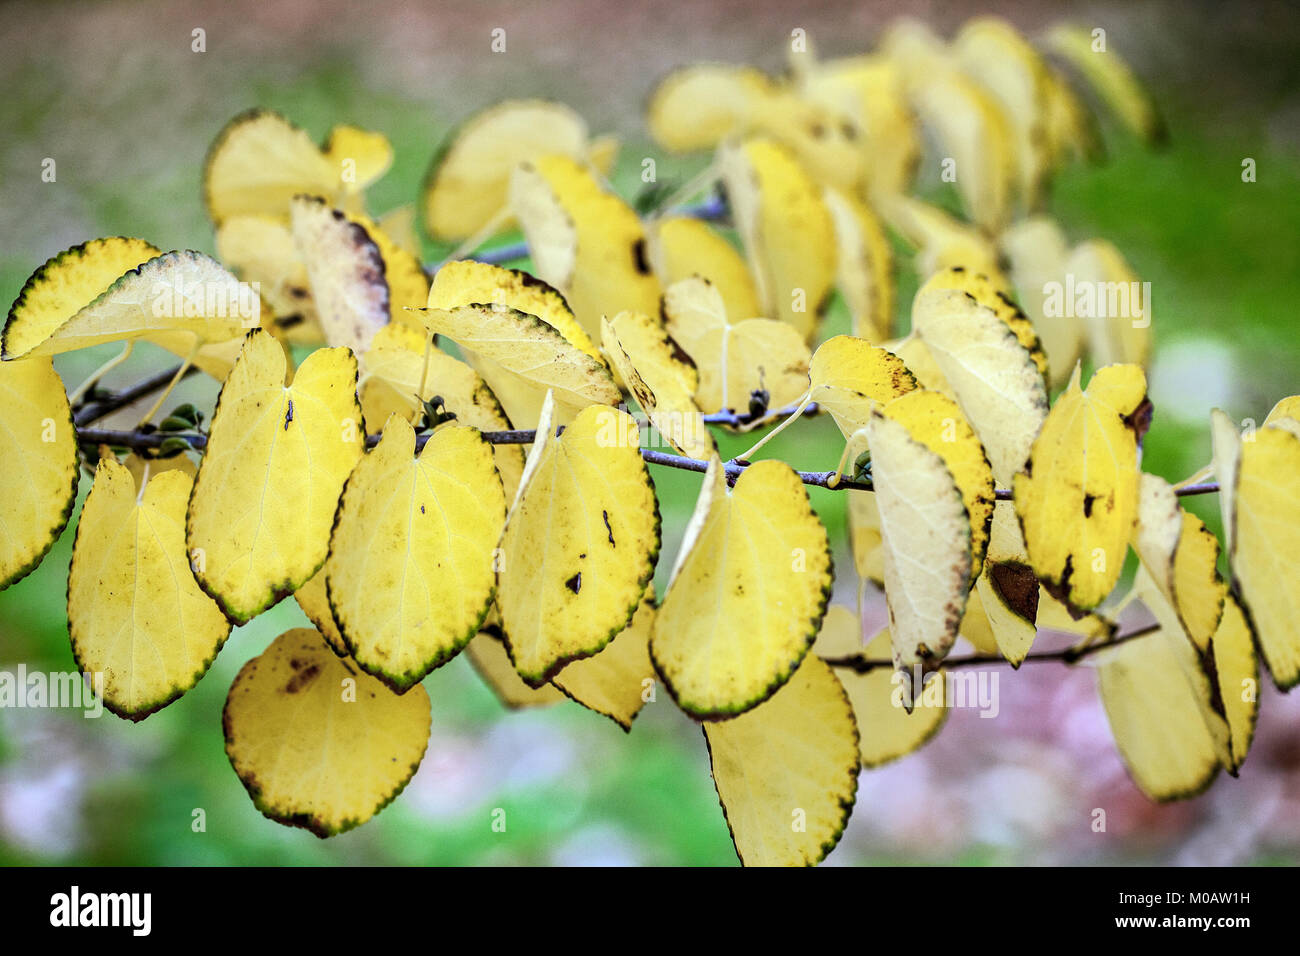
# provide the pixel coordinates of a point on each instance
(141, 440)
(1070, 655)
(92, 411)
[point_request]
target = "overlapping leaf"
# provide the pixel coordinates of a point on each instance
(317, 744)
(747, 595)
(276, 460)
(135, 612)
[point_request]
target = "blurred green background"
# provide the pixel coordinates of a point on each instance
(113, 92)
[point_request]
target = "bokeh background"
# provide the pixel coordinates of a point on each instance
(113, 92)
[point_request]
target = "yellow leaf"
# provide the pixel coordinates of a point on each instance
(615, 681)
(178, 292)
(865, 266)
(926, 542)
(1007, 591)
(661, 377)
(1037, 251)
(488, 654)
(1263, 510)
(1197, 667)
(695, 108)
(392, 371)
(64, 284)
(995, 378)
(468, 182)
(522, 357)
(600, 261)
(886, 731)
(867, 91)
(1078, 496)
(314, 600)
(1071, 126)
(267, 489)
(787, 230)
(1288, 407)
(1114, 305)
(1112, 80)
(470, 283)
(259, 162)
(748, 594)
(1181, 556)
(38, 484)
(360, 156)
(316, 744)
(973, 131)
(135, 612)
(1155, 718)
(735, 359)
(936, 422)
(993, 296)
(580, 543)
(849, 377)
(346, 273)
(1238, 676)
(681, 247)
(787, 771)
(411, 570)
(994, 54)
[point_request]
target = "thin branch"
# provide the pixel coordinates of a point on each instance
(136, 440)
(141, 440)
(107, 404)
(1069, 655)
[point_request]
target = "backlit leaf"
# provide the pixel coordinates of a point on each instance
(660, 377)
(926, 541)
(1078, 496)
(994, 376)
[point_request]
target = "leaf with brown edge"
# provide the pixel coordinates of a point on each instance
(926, 543)
(38, 485)
(614, 682)
(747, 595)
(660, 377)
(1077, 498)
(277, 457)
(346, 272)
(580, 543)
(792, 760)
(316, 744)
(411, 570)
(135, 613)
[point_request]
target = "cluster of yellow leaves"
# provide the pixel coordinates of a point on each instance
(381, 481)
